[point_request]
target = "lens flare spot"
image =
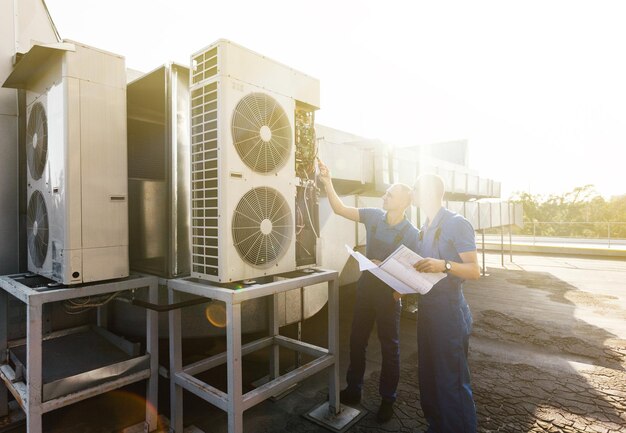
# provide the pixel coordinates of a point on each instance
(215, 313)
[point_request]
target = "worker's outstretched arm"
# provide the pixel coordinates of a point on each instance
(336, 204)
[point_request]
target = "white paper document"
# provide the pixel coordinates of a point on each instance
(397, 271)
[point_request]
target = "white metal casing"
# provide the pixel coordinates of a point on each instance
(84, 182)
(233, 60)
(223, 74)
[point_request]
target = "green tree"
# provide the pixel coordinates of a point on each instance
(583, 206)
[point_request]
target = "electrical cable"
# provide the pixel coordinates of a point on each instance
(306, 205)
(82, 305)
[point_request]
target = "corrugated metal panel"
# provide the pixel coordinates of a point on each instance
(205, 66)
(456, 206)
(483, 187)
(504, 213)
(471, 213)
(495, 215)
(448, 177)
(472, 185)
(349, 161)
(460, 183)
(484, 215)
(496, 188)
(8, 195)
(204, 178)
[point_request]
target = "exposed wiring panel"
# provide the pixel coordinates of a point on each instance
(307, 195)
(306, 144)
(307, 224)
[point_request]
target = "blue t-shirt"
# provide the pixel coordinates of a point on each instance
(456, 236)
(384, 233)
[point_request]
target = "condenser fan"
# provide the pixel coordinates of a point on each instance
(37, 140)
(261, 132)
(262, 226)
(37, 226)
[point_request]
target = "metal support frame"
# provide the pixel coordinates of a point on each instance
(29, 394)
(234, 402)
(511, 210)
(502, 245)
(484, 270)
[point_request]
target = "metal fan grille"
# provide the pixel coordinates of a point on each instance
(261, 132)
(37, 140)
(37, 226)
(262, 226)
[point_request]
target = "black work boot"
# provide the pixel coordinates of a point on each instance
(385, 411)
(349, 396)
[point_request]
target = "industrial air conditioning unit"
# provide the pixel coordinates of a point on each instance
(252, 187)
(77, 215)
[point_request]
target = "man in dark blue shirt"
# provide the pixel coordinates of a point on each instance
(448, 244)
(386, 229)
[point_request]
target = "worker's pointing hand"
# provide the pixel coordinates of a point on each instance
(324, 172)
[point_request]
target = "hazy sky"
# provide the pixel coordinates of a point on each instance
(537, 87)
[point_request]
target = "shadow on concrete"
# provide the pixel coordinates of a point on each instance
(539, 367)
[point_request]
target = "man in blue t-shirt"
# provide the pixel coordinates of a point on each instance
(386, 229)
(448, 244)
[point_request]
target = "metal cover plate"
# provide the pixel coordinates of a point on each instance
(337, 423)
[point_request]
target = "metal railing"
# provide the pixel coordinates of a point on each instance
(611, 232)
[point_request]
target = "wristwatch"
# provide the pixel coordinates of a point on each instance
(447, 267)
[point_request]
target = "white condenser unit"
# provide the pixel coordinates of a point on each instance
(77, 214)
(243, 162)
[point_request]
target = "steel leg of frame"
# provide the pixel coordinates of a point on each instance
(152, 347)
(332, 415)
(34, 367)
(274, 331)
(333, 346)
(176, 365)
(233, 355)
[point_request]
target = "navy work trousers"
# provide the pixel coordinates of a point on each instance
(443, 328)
(375, 304)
